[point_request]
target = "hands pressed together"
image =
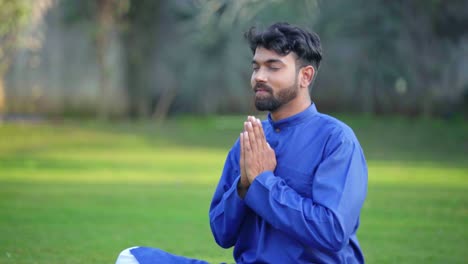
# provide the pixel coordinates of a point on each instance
(256, 155)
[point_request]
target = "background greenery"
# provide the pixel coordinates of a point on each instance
(80, 192)
(167, 81)
(151, 59)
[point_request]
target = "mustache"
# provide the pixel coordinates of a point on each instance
(262, 86)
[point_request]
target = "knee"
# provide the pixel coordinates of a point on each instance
(126, 257)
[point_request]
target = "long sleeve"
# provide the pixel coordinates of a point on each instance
(227, 209)
(327, 219)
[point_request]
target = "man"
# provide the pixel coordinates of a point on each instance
(293, 185)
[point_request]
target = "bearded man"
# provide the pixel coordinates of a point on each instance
(293, 185)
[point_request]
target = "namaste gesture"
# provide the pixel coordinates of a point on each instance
(256, 155)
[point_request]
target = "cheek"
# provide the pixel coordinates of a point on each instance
(283, 80)
(252, 80)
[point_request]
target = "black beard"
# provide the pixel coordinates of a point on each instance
(268, 104)
(273, 103)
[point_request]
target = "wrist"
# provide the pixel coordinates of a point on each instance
(243, 184)
(242, 189)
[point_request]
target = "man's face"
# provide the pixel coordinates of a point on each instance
(274, 79)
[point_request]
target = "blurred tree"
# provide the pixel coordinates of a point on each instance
(432, 31)
(141, 39)
(14, 16)
(212, 55)
(136, 24)
(20, 22)
(108, 13)
(106, 17)
(411, 42)
(189, 56)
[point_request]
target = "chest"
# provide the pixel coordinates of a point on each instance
(298, 156)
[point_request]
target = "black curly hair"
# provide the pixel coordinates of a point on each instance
(284, 38)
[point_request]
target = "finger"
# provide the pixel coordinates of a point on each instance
(252, 139)
(248, 119)
(258, 143)
(241, 140)
(255, 124)
(247, 130)
(260, 136)
(254, 121)
(246, 127)
(247, 147)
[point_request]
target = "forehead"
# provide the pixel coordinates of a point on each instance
(263, 55)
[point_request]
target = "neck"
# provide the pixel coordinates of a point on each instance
(296, 106)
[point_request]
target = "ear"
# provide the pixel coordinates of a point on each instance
(307, 75)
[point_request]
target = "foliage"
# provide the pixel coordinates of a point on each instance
(414, 42)
(211, 35)
(17, 20)
(14, 16)
(407, 55)
(175, 57)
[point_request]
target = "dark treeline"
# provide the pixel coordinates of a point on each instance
(145, 58)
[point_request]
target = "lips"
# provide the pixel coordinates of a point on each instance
(262, 88)
(261, 92)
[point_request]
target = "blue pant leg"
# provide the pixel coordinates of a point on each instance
(147, 255)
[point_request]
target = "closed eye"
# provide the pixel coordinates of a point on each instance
(274, 67)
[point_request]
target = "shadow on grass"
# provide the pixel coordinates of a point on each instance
(387, 138)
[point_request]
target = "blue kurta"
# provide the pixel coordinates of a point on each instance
(307, 210)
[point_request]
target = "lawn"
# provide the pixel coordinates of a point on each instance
(79, 192)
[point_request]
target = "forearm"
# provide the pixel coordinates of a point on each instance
(227, 213)
(313, 224)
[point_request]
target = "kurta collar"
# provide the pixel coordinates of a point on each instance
(295, 119)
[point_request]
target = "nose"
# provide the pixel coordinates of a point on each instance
(259, 76)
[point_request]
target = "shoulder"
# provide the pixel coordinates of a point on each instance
(336, 127)
(338, 132)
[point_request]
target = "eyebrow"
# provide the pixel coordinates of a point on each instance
(269, 61)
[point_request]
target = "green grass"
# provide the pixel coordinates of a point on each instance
(81, 192)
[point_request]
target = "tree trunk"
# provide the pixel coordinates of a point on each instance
(4, 66)
(140, 49)
(427, 103)
(105, 20)
(134, 73)
(163, 105)
(2, 94)
(102, 101)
